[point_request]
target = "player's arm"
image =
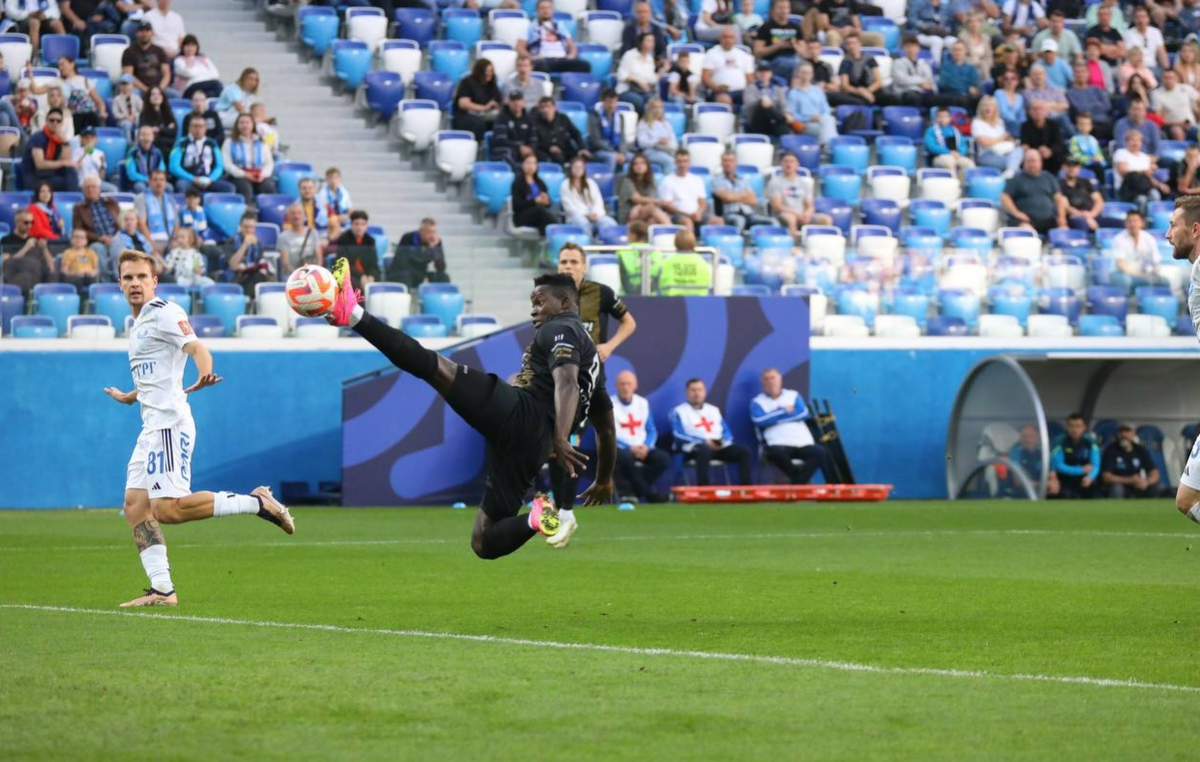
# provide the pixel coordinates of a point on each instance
(566, 402)
(204, 366)
(625, 329)
(601, 490)
(125, 398)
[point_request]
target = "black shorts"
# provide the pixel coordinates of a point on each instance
(518, 435)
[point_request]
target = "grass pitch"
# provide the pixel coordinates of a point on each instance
(929, 631)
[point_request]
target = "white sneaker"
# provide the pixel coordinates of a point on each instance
(566, 528)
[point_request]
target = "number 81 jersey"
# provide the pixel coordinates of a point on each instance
(157, 362)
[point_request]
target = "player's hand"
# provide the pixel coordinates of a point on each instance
(210, 379)
(598, 494)
(125, 398)
(604, 350)
(570, 459)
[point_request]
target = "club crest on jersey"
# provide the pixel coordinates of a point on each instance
(185, 328)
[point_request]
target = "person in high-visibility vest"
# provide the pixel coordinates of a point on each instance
(685, 273)
(631, 258)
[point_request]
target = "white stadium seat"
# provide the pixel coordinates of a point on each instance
(983, 217)
(605, 269)
(418, 121)
(471, 326)
(1000, 326)
(821, 242)
(755, 150)
(107, 51)
(818, 308)
(508, 26)
(90, 327)
(402, 58)
(17, 55)
(705, 151)
(939, 185)
(849, 326)
(716, 119)
(371, 28)
(605, 28)
(1024, 247)
(315, 328)
(454, 153)
(723, 278)
(258, 327)
(389, 300)
(1146, 326)
(502, 55)
(663, 236)
(270, 300)
(1049, 326)
(897, 326)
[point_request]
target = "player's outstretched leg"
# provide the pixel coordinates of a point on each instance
(495, 539)
(207, 505)
(1187, 500)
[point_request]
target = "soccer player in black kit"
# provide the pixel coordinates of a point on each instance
(561, 383)
(597, 302)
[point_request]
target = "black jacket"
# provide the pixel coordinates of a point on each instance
(509, 132)
(561, 132)
(630, 35)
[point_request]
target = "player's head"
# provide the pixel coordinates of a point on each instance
(553, 294)
(138, 281)
(572, 261)
(697, 392)
(1076, 425)
(772, 382)
(626, 384)
(1184, 230)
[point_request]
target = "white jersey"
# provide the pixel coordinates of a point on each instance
(157, 361)
(778, 426)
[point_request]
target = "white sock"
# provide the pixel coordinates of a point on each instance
(566, 514)
(356, 315)
(1194, 513)
(154, 561)
(231, 504)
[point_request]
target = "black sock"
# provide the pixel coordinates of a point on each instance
(506, 536)
(405, 352)
(563, 485)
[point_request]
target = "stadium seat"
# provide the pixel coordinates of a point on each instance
(34, 327)
(931, 213)
(502, 55)
(755, 150)
(454, 153)
(351, 61)
(613, 235)
(1068, 240)
(1147, 326)
(805, 147)
(449, 57)
(621, 7)
(424, 326)
(941, 325)
(905, 122)
(705, 150)
(1159, 213)
(462, 25)
(388, 300)
(832, 57)
(474, 326)
(90, 327)
(751, 289)
(897, 326)
(874, 242)
(1108, 300)
(444, 300)
(419, 122)
(224, 211)
(890, 184)
(605, 180)
(434, 86)
(1000, 326)
(315, 328)
(558, 235)
(660, 236)
(716, 119)
(107, 50)
(268, 235)
(177, 294)
(226, 301)
(270, 300)
(1065, 271)
(886, 27)
(939, 185)
(400, 57)
(841, 113)
(1059, 301)
(492, 184)
(605, 269)
(913, 305)
(845, 326)
(1113, 214)
(824, 242)
(368, 25)
(383, 91)
(842, 183)
(258, 327)
(960, 303)
(66, 201)
(674, 115)
(984, 182)
(12, 303)
(605, 28)
(1169, 151)
(896, 151)
(979, 213)
(1164, 305)
(508, 26)
(968, 240)
(582, 88)
(211, 326)
(726, 240)
(577, 113)
(57, 301)
(272, 207)
(11, 203)
(860, 302)
(851, 151)
(1099, 325)
(416, 24)
(1015, 304)
(288, 175)
(1049, 326)
(598, 56)
(318, 27)
(56, 46)
(106, 299)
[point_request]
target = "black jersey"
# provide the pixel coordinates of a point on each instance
(563, 340)
(596, 303)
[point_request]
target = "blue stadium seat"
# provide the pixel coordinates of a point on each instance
(885, 26)
(623, 7)
(224, 212)
(385, 90)
(882, 211)
(65, 201)
(984, 182)
(896, 151)
(173, 292)
(577, 113)
(57, 301)
(1100, 325)
(34, 327)
(450, 57)
(839, 211)
(1165, 306)
(584, 88)
(1060, 301)
(1069, 240)
(1108, 300)
(753, 178)
(288, 175)
(434, 86)
(941, 325)
(106, 299)
(1170, 150)
(726, 240)
(613, 235)
(557, 235)
(857, 301)
(599, 57)
(851, 151)
(268, 235)
(930, 213)
(272, 207)
(318, 27)
(960, 304)
(971, 240)
(842, 112)
(351, 61)
(98, 78)
(56, 46)
(913, 304)
(11, 203)
(841, 182)
(1113, 214)
(416, 24)
(226, 301)
(12, 303)
(606, 181)
(208, 326)
(492, 181)
(552, 175)
(903, 121)
(424, 326)
(463, 25)
(1151, 437)
(1159, 213)
(676, 117)
(1183, 325)
(180, 108)
(806, 148)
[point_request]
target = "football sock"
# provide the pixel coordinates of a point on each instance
(231, 504)
(154, 561)
(507, 535)
(563, 485)
(405, 352)
(1194, 513)
(566, 514)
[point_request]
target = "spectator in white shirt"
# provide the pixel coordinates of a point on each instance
(704, 435)
(636, 437)
(196, 71)
(780, 416)
(1135, 253)
(637, 74)
(582, 203)
(727, 69)
(167, 26)
(34, 18)
(790, 197)
(1150, 40)
(1176, 103)
(684, 197)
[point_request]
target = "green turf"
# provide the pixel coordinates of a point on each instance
(1101, 590)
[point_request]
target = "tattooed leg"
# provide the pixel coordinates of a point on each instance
(146, 534)
(152, 547)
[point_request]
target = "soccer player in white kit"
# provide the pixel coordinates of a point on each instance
(158, 480)
(1184, 235)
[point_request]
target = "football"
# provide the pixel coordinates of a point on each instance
(311, 290)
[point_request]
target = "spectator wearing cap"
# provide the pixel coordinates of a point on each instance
(1069, 48)
(512, 132)
(1058, 71)
(197, 162)
(34, 18)
(765, 104)
(147, 63)
(47, 156)
(167, 25)
(532, 89)
(727, 70)
(637, 73)
(549, 42)
(606, 139)
(127, 107)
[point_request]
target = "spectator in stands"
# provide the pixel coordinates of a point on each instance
(1134, 179)
(185, 262)
(606, 139)
(1031, 197)
(133, 11)
(1083, 202)
(149, 64)
(1126, 468)
(237, 98)
(266, 126)
(636, 437)
(932, 24)
(656, 138)
(86, 105)
(1044, 136)
(779, 41)
(1010, 102)
(247, 161)
(168, 27)
(196, 71)
(158, 213)
(193, 217)
(582, 203)
(48, 157)
(994, 146)
(299, 244)
(958, 79)
(1067, 43)
(838, 19)
(86, 18)
(512, 133)
(715, 17)
(1075, 459)
(1135, 66)
(358, 246)
(1177, 103)
(979, 46)
(1027, 453)
(747, 19)
(685, 272)
(99, 218)
(47, 223)
(244, 253)
(1058, 71)
(90, 161)
(637, 73)
(765, 105)
(550, 43)
(859, 77)
(555, 137)
(80, 266)
(54, 100)
(127, 107)
(142, 159)
(34, 19)
(640, 24)
(684, 197)
(1135, 254)
(945, 144)
(808, 108)
(790, 197)
(1112, 42)
(1185, 174)
(637, 195)
(335, 198)
(727, 70)
(1024, 17)
(780, 415)
(1146, 38)
(27, 260)
(316, 212)
(682, 85)
(1136, 89)
(1093, 101)
(733, 198)
(1099, 73)
(415, 252)
(1009, 59)
(530, 199)
(704, 436)
(129, 237)
(158, 116)
(1137, 121)
(522, 79)
(477, 101)
(196, 162)
(912, 79)
(203, 108)
(1187, 64)
(822, 75)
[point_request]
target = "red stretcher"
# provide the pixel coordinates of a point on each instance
(784, 493)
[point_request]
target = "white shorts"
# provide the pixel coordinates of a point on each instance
(1191, 470)
(161, 462)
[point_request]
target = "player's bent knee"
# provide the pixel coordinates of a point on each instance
(167, 511)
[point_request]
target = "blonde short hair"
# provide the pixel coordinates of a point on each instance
(133, 255)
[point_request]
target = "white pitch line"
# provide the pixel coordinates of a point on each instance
(787, 661)
(642, 538)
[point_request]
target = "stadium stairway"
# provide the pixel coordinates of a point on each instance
(322, 127)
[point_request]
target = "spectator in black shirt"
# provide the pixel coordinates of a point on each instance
(839, 18)
(415, 252)
(1126, 468)
(201, 107)
(530, 199)
(555, 137)
(1044, 136)
(26, 260)
(642, 23)
(822, 74)
(860, 81)
(1112, 44)
(477, 102)
(1084, 202)
(779, 41)
(358, 246)
(512, 133)
(149, 64)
